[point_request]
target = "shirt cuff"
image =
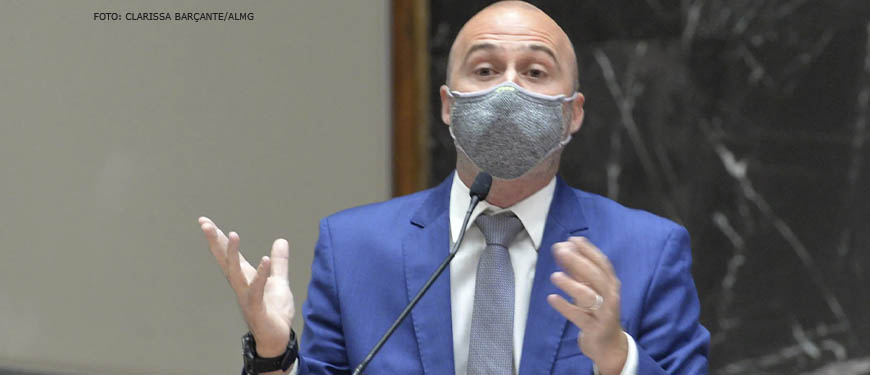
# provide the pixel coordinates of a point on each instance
(630, 367)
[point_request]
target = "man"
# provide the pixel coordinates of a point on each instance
(549, 279)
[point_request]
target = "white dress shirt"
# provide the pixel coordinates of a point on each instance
(532, 212)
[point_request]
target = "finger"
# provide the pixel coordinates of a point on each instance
(258, 285)
(247, 269)
(217, 247)
(203, 221)
(589, 250)
(593, 253)
(579, 267)
(582, 294)
(217, 242)
(571, 312)
(233, 263)
(280, 258)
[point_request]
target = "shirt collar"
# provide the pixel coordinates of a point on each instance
(532, 211)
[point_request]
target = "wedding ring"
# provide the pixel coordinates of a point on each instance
(599, 300)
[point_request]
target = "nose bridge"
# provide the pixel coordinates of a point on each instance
(511, 74)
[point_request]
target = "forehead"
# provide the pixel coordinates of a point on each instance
(510, 29)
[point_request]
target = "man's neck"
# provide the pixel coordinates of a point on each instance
(506, 193)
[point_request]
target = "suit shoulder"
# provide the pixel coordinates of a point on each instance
(603, 211)
(636, 241)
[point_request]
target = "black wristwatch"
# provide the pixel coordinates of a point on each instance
(255, 364)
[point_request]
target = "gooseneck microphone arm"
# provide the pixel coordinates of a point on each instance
(479, 190)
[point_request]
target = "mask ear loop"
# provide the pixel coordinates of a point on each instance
(571, 98)
(567, 139)
(564, 142)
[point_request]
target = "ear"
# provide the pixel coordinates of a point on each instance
(577, 112)
(445, 104)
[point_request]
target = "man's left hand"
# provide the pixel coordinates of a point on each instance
(591, 283)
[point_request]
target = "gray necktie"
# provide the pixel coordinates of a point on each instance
(492, 322)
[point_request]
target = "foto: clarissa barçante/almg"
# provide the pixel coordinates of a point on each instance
(177, 16)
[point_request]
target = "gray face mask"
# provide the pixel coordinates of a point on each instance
(507, 130)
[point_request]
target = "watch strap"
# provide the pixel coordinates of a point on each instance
(255, 364)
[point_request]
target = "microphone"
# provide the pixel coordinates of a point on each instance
(479, 190)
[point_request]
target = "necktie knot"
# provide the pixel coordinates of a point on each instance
(499, 229)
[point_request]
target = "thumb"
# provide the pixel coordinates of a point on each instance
(280, 258)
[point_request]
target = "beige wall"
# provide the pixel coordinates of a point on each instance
(115, 136)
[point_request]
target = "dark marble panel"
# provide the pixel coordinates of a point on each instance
(747, 122)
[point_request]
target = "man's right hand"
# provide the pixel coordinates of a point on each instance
(263, 293)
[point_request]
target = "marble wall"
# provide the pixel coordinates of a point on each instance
(747, 122)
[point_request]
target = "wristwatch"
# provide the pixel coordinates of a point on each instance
(255, 364)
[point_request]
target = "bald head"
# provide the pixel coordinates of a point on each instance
(507, 26)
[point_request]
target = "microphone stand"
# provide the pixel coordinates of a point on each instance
(475, 199)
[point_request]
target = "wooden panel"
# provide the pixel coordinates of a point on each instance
(410, 83)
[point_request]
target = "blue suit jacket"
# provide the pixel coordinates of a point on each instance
(371, 260)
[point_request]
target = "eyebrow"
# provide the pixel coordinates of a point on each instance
(489, 46)
(479, 47)
(545, 49)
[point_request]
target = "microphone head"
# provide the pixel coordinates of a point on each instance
(481, 185)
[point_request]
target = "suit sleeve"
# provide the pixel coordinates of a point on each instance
(670, 340)
(322, 347)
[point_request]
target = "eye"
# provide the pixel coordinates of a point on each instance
(537, 73)
(484, 71)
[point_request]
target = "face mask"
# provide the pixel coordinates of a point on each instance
(507, 130)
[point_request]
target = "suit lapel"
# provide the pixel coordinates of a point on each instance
(544, 325)
(424, 247)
